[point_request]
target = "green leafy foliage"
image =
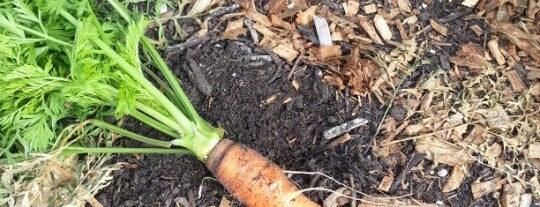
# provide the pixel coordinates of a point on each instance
(62, 64)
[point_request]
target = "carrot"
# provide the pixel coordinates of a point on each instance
(253, 179)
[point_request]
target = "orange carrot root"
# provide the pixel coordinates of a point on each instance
(252, 179)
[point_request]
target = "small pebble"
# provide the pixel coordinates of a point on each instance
(318, 73)
(163, 8)
(442, 172)
(291, 5)
(234, 75)
(439, 203)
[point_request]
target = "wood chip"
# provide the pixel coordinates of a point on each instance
(470, 3)
(401, 30)
(286, 51)
(386, 182)
(224, 202)
(370, 8)
(351, 8)
(483, 188)
(340, 140)
(455, 179)
(295, 84)
(495, 51)
(369, 29)
(404, 5)
(337, 33)
(328, 52)
(382, 27)
(516, 82)
(438, 27)
(92, 201)
(477, 30)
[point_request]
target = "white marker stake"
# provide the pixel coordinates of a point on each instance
(323, 32)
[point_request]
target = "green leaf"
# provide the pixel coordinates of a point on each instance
(24, 11)
(38, 133)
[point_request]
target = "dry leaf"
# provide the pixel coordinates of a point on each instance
(442, 152)
(483, 188)
(200, 6)
(266, 32)
(455, 179)
(476, 136)
(384, 200)
(512, 194)
(472, 56)
(259, 18)
(334, 81)
(246, 4)
(234, 29)
(415, 129)
(363, 79)
(535, 185)
(337, 199)
(527, 42)
(497, 118)
(275, 6)
(492, 153)
(279, 23)
(534, 150)
(306, 17)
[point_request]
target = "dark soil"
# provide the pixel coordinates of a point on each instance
(228, 82)
(287, 133)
